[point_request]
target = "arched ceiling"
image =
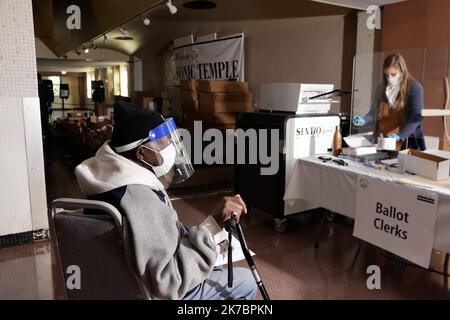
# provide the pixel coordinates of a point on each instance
(101, 16)
(105, 16)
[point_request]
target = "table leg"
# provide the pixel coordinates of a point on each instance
(317, 238)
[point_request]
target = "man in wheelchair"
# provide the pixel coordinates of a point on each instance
(131, 172)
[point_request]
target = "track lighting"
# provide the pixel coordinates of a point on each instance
(172, 8)
(63, 72)
(144, 18)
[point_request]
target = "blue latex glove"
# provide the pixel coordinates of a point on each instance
(395, 136)
(359, 121)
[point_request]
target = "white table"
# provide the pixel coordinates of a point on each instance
(333, 187)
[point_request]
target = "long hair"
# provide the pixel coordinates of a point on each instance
(397, 60)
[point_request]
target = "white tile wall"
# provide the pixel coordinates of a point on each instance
(15, 210)
(18, 80)
(364, 67)
(17, 49)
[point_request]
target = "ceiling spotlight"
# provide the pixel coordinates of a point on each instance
(146, 21)
(78, 52)
(86, 50)
(171, 7)
(123, 31)
(63, 72)
(105, 40)
(94, 46)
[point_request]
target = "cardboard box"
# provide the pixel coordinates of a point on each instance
(225, 107)
(222, 86)
(218, 120)
(223, 126)
(188, 85)
(210, 120)
(189, 118)
(189, 100)
(230, 97)
(424, 164)
(225, 102)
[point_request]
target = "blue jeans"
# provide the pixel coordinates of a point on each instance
(215, 287)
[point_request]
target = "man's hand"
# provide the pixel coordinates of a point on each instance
(229, 205)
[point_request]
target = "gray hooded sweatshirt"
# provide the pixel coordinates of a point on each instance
(168, 260)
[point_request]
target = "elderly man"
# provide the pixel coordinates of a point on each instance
(131, 172)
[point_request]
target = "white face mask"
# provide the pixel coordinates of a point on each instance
(393, 88)
(168, 154)
(394, 81)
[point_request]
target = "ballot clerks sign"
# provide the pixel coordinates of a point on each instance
(396, 218)
(220, 59)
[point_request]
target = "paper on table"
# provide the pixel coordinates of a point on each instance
(357, 141)
(222, 255)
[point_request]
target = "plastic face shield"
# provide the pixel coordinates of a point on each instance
(175, 164)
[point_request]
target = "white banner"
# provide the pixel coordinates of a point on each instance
(396, 218)
(219, 59)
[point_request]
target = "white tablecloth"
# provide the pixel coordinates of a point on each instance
(333, 187)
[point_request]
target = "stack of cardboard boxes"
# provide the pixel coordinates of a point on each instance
(214, 102)
(189, 95)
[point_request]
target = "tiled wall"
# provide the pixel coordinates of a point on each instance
(22, 185)
(364, 67)
(17, 49)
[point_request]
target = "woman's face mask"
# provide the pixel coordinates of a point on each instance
(394, 80)
(168, 155)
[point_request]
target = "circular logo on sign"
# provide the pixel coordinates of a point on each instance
(364, 183)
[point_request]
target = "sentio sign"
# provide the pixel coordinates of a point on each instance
(396, 218)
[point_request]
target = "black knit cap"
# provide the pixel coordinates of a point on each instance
(132, 124)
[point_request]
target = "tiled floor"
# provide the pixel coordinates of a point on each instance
(30, 272)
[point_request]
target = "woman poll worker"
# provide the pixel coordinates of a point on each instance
(397, 109)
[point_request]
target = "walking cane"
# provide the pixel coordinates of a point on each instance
(229, 226)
